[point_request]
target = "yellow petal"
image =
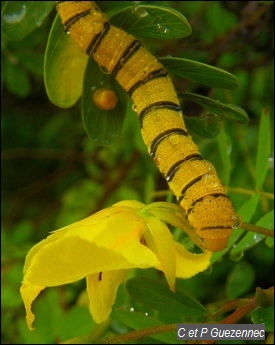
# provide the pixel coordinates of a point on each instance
(29, 294)
(110, 244)
(173, 215)
(160, 241)
(189, 264)
(75, 227)
(102, 289)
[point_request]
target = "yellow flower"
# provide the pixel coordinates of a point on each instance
(104, 247)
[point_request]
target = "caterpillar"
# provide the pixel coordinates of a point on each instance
(192, 179)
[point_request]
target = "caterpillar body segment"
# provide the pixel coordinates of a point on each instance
(192, 179)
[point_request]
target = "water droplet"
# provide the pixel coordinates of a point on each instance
(134, 108)
(237, 221)
(271, 162)
(104, 69)
(210, 167)
(258, 237)
(162, 29)
(140, 12)
(209, 116)
(39, 21)
(236, 256)
(206, 177)
(146, 314)
(14, 18)
(132, 309)
(229, 150)
(168, 178)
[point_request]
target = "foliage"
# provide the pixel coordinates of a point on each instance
(53, 174)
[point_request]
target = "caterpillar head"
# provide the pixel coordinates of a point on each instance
(214, 218)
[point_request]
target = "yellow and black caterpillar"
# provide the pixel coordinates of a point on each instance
(192, 179)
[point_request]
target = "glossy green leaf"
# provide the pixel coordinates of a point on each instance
(158, 296)
(139, 321)
(264, 146)
(206, 126)
(152, 21)
(64, 67)
(249, 207)
(266, 316)
(251, 238)
(201, 73)
(19, 18)
(228, 111)
(102, 126)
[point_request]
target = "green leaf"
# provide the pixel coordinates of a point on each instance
(266, 316)
(64, 67)
(200, 73)
(139, 321)
(207, 126)
(102, 126)
(157, 296)
(263, 151)
(33, 61)
(225, 147)
(264, 297)
(152, 21)
(251, 238)
(240, 280)
(228, 111)
(19, 18)
(269, 241)
(246, 212)
(17, 80)
(76, 322)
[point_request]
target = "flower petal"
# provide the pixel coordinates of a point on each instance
(111, 244)
(160, 240)
(29, 294)
(173, 215)
(76, 227)
(189, 264)
(102, 289)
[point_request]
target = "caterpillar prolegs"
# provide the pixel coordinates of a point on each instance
(192, 179)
